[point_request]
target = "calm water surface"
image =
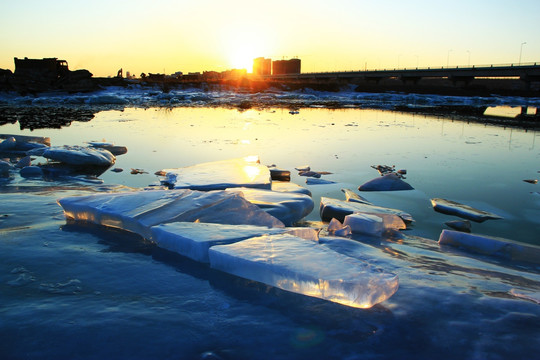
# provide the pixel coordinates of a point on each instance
(76, 291)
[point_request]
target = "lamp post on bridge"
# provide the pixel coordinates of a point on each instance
(520, 51)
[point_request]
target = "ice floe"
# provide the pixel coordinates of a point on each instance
(305, 267)
(287, 207)
(373, 225)
(333, 208)
(219, 175)
(193, 240)
(316, 181)
(137, 211)
(31, 171)
(388, 182)
(79, 156)
(351, 196)
(114, 149)
(464, 211)
(492, 246)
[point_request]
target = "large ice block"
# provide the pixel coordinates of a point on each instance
(194, 239)
(79, 155)
(464, 211)
(333, 208)
(488, 245)
(137, 211)
(287, 207)
(305, 267)
(219, 175)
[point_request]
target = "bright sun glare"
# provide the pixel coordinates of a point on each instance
(242, 58)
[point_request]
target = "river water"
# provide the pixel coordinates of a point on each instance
(75, 291)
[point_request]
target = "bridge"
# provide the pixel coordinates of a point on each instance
(507, 79)
(525, 72)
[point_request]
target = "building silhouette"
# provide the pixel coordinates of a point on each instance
(291, 66)
(262, 66)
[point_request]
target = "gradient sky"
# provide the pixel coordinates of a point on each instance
(167, 36)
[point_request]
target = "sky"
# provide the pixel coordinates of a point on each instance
(166, 36)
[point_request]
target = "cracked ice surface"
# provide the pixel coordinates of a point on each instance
(219, 175)
(194, 239)
(305, 267)
(137, 211)
(287, 207)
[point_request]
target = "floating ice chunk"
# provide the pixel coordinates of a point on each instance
(114, 149)
(303, 168)
(315, 181)
(366, 224)
(388, 182)
(279, 174)
(31, 171)
(4, 168)
(305, 267)
(139, 210)
(219, 175)
(8, 144)
(287, 207)
(464, 211)
(333, 208)
(78, 155)
(289, 187)
(25, 161)
(351, 196)
(459, 225)
(335, 227)
(488, 245)
(28, 139)
(194, 239)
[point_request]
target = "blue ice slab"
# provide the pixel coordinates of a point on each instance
(219, 175)
(450, 207)
(287, 207)
(493, 246)
(194, 239)
(137, 211)
(305, 267)
(338, 209)
(79, 155)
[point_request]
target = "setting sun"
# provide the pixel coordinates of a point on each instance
(242, 58)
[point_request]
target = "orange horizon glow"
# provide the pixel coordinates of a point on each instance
(167, 36)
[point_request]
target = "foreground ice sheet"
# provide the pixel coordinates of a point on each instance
(494, 246)
(79, 155)
(287, 207)
(194, 239)
(333, 208)
(219, 175)
(305, 267)
(137, 211)
(464, 211)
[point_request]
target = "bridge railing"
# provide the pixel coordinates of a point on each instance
(523, 64)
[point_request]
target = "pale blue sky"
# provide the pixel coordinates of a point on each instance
(166, 35)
